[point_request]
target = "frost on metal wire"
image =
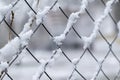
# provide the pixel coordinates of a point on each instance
(44, 64)
(56, 56)
(35, 6)
(3, 66)
(97, 26)
(4, 9)
(41, 14)
(40, 70)
(71, 21)
(88, 40)
(14, 46)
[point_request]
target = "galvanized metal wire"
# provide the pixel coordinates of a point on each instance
(100, 64)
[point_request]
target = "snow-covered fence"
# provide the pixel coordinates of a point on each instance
(17, 46)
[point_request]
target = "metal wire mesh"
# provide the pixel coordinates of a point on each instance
(88, 51)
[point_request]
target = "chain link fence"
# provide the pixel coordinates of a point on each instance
(100, 63)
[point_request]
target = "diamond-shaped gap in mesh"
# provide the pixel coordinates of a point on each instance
(112, 19)
(76, 77)
(111, 66)
(108, 29)
(55, 22)
(38, 36)
(6, 78)
(61, 68)
(72, 41)
(12, 30)
(102, 77)
(41, 40)
(20, 16)
(18, 72)
(87, 65)
(46, 30)
(97, 11)
(116, 47)
(98, 62)
(115, 11)
(100, 47)
(27, 67)
(113, 14)
(27, 60)
(42, 54)
(44, 77)
(114, 54)
(73, 53)
(84, 24)
(3, 30)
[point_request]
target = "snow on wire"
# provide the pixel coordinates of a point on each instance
(20, 43)
(42, 68)
(89, 40)
(32, 18)
(44, 64)
(107, 10)
(15, 45)
(6, 9)
(71, 21)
